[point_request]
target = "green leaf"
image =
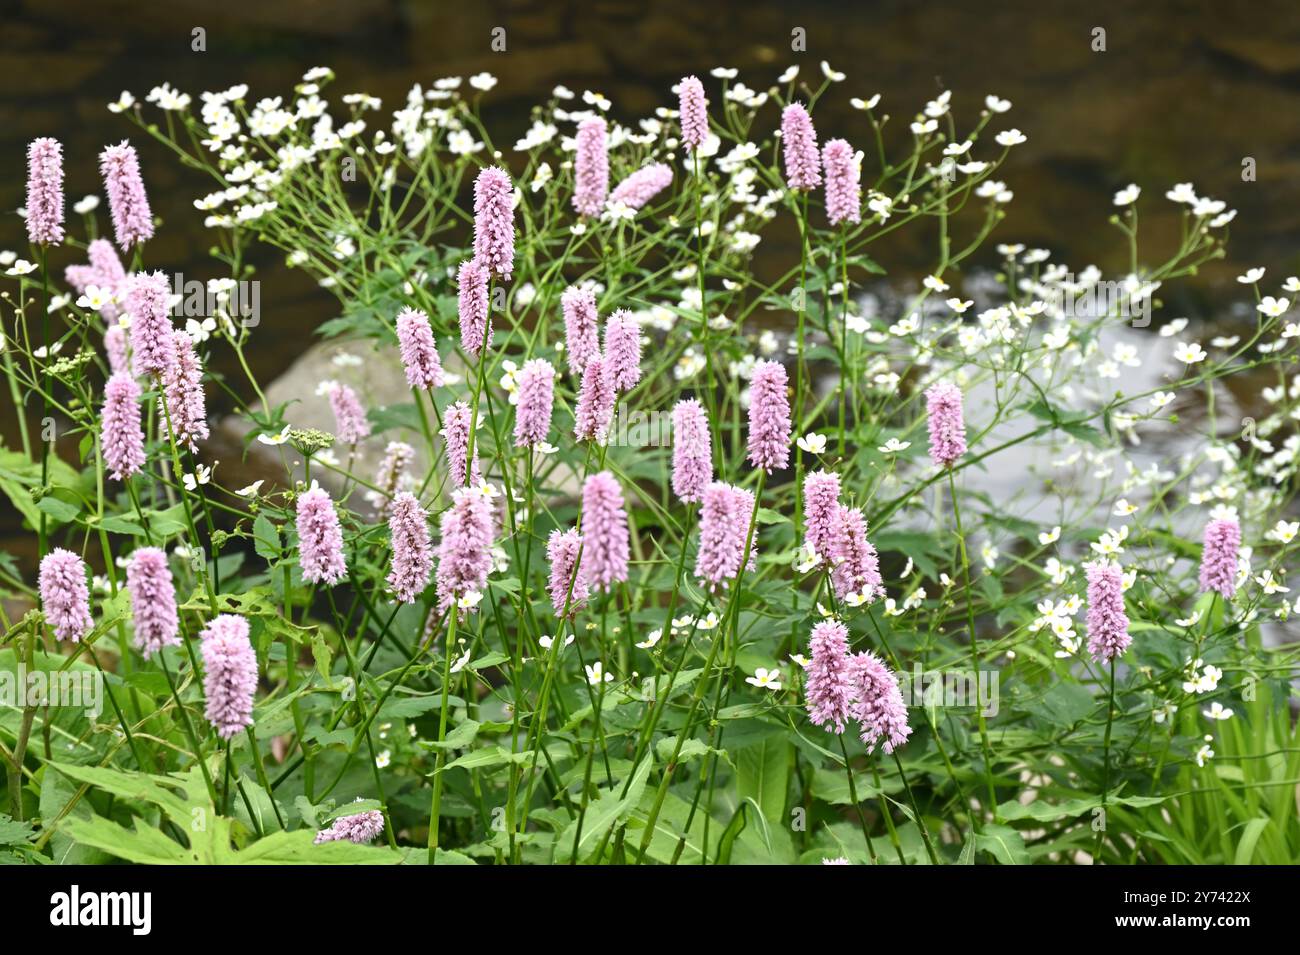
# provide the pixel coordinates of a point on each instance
(1249, 838)
(266, 538)
(58, 509)
(607, 811)
(763, 774)
(1004, 844)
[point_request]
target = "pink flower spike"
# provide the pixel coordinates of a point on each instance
(392, 476)
(182, 398)
(566, 588)
(643, 185)
(536, 383)
(412, 548)
(724, 529)
(419, 353)
(879, 705)
(829, 688)
(456, 423)
(581, 334)
(65, 598)
(692, 450)
(1108, 635)
(132, 220)
(605, 536)
(494, 226)
(693, 109)
(472, 307)
(121, 433)
(320, 539)
(153, 601)
(843, 191)
(596, 398)
(350, 424)
(947, 429)
(623, 349)
(1219, 557)
(821, 506)
(857, 566)
(361, 828)
(590, 167)
(465, 551)
(45, 192)
(115, 348)
(152, 336)
(799, 143)
(769, 417)
(230, 675)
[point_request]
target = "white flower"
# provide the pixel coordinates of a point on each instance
(596, 674)
(1270, 585)
(1161, 399)
(86, 204)
(1049, 537)
(483, 81)
(1010, 137)
(95, 297)
(250, 490)
(1284, 532)
(651, 638)
(1182, 193)
(20, 267)
(1203, 754)
(198, 331)
(1251, 276)
(124, 102)
(1273, 307)
(202, 474)
(789, 75)
(893, 446)
(1189, 354)
(1123, 508)
(1128, 195)
(765, 679)
(547, 642)
(996, 104)
(812, 443)
(859, 103)
(1217, 711)
(832, 75)
(1189, 621)
(934, 283)
(468, 601)
(274, 439)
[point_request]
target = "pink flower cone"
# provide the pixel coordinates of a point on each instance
(132, 220)
(536, 384)
(320, 539)
(472, 307)
(350, 424)
(643, 185)
(465, 551)
(878, 705)
(361, 828)
(153, 601)
(230, 675)
(595, 411)
(799, 143)
(121, 433)
(183, 391)
(606, 540)
(412, 548)
(769, 417)
(947, 429)
(566, 588)
(45, 192)
(1219, 557)
(857, 566)
(418, 351)
(724, 529)
(694, 113)
(153, 345)
(590, 167)
(494, 226)
(1108, 635)
(456, 423)
(843, 191)
(581, 333)
(65, 598)
(692, 450)
(623, 349)
(821, 511)
(829, 689)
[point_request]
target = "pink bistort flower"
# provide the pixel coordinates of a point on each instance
(153, 345)
(692, 450)
(947, 429)
(623, 349)
(468, 529)
(566, 585)
(472, 307)
(65, 598)
(121, 433)
(456, 424)
(412, 561)
(1108, 635)
(350, 424)
(581, 332)
(878, 703)
(182, 400)
(1219, 557)
(643, 185)
(724, 531)
(494, 225)
(596, 398)
(606, 541)
(799, 144)
(821, 511)
(769, 417)
(856, 564)
(536, 397)
(829, 687)
(843, 191)
(693, 111)
(418, 350)
(590, 167)
(361, 828)
(132, 220)
(229, 676)
(320, 538)
(45, 191)
(153, 601)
